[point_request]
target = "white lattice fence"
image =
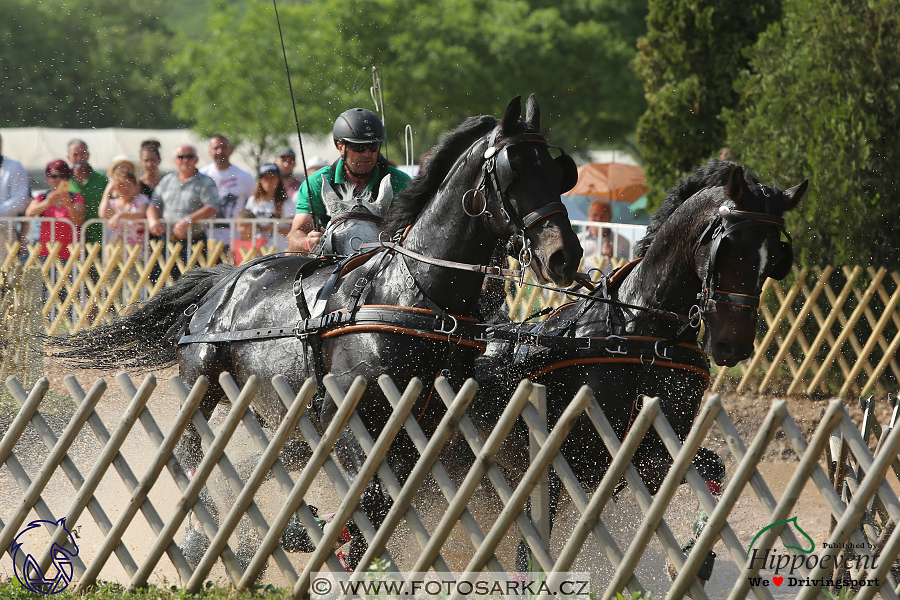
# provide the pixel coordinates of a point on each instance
(864, 507)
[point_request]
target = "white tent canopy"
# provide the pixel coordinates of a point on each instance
(34, 147)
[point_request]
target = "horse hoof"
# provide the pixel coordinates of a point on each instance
(193, 545)
(345, 561)
(295, 537)
(706, 568)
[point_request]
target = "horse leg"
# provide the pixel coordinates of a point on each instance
(525, 562)
(712, 469)
(196, 360)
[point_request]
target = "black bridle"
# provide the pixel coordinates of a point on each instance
(496, 175)
(731, 221)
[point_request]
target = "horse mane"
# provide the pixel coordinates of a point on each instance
(410, 202)
(712, 174)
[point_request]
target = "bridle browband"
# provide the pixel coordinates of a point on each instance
(709, 296)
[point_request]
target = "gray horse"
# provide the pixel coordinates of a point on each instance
(355, 220)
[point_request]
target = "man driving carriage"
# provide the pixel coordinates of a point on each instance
(358, 134)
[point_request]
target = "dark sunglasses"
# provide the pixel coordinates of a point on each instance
(186, 156)
(55, 176)
(374, 147)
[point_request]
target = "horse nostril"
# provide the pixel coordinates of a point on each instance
(557, 262)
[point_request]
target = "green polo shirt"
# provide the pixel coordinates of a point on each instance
(399, 181)
(92, 189)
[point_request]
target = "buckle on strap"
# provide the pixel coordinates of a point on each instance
(620, 349)
(440, 328)
(664, 353)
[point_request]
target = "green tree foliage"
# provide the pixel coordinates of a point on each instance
(456, 58)
(233, 79)
(440, 62)
(688, 61)
(823, 102)
(84, 64)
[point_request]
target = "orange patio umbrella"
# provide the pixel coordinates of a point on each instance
(614, 181)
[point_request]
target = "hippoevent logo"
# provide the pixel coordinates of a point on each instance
(784, 566)
(27, 569)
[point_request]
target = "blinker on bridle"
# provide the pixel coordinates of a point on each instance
(498, 174)
(709, 296)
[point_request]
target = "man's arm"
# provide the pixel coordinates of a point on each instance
(154, 214)
(17, 201)
(302, 237)
(181, 228)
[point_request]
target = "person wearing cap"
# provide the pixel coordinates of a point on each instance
(270, 201)
(88, 182)
(358, 134)
(316, 163)
(120, 162)
(286, 160)
(59, 203)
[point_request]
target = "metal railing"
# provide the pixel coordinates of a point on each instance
(623, 237)
(224, 230)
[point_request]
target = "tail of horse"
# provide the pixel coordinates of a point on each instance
(145, 338)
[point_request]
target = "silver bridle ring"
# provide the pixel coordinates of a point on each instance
(695, 316)
(474, 192)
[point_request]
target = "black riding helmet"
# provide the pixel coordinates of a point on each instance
(358, 126)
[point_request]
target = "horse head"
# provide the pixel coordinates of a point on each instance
(740, 247)
(354, 220)
(523, 184)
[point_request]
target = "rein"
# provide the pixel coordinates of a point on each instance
(515, 275)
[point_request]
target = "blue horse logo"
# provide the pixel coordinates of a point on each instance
(30, 575)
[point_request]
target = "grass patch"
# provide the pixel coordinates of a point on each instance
(11, 589)
(54, 403)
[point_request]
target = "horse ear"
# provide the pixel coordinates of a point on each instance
(794, 195)
(533, 113)
(511, 116)
(330, 197)
(737, 188)
(385, 196)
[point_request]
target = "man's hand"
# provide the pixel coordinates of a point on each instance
(180, 230)
(313, 238)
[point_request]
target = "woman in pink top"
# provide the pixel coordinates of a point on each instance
(61, 204)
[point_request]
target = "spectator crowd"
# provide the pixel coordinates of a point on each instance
(134, 202)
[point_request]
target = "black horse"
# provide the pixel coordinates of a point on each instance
(706, 254)
(400, 313)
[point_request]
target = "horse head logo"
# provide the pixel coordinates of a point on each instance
(29, 572)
